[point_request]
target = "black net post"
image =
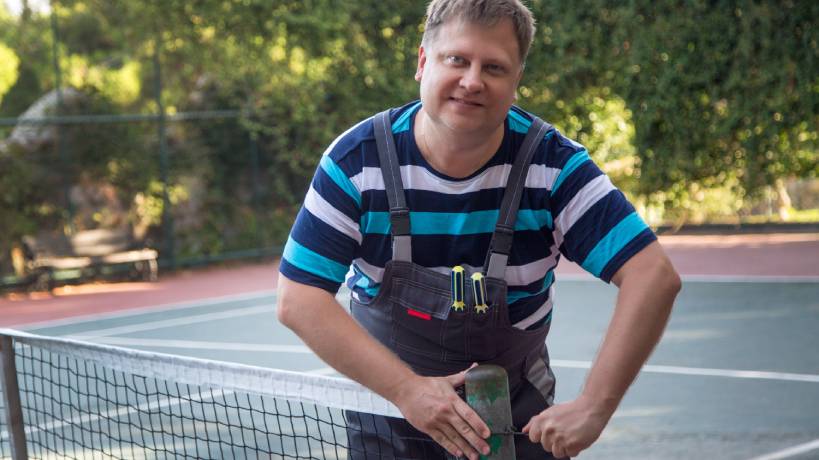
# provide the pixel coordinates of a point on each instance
(11, 395)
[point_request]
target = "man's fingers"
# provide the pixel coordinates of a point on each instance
(472, 418)
(462, 443)
(557, 448)
(546, 439)
(470, 436)
(444, 441)
(533, 423)
(454, 432)
(533, 430)
(448, 419)
(459, 379)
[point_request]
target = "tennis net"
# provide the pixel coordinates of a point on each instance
(84, 400)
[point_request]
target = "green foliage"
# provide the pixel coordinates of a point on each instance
(9, 63)
(732, 88)
(694, 108)
(27, 37)
(722, 95)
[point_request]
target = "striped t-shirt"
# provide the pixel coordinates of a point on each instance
(569, 207)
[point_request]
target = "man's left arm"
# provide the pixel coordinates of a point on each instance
(648, 286)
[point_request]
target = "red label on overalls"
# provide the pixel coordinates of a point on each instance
(418, 314)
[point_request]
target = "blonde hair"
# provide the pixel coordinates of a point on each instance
(484, 12)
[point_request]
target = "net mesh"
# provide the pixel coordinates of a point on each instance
(82, 400)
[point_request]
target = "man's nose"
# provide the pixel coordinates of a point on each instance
(472, 80)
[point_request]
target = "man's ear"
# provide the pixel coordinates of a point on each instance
(520, 75)
(517, 83)
(422, 60)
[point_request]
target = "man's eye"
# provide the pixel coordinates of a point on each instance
(455, 60)
(494, 68)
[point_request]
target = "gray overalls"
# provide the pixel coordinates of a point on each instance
(412, 315)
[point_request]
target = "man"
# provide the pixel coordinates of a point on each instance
(462, 186)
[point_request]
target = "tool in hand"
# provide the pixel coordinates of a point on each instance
(487, 392)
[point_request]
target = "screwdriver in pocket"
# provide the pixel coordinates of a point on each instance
(457, 276)
(479, 292)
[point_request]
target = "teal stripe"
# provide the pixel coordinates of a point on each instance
(613, 242)
(403, 122)
(313, 262)
(529, 219)
(341, 179)
(514, 296)
(518, 123)
(377, 223)
(365, 283)
(451, 223)
(578, 159)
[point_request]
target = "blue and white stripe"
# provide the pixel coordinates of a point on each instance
(569, 207)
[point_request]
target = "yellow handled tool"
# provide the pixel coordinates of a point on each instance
(479, 292)
(457, 288)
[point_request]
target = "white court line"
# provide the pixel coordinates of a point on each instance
(791, 452)
(749, 279)
(740, 374)
(709, 278)
(196, 345)
(142, 310)
(270, 308)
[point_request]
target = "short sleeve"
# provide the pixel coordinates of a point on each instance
(326, 233)
(594, 223)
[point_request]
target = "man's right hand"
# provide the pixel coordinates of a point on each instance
(431, 405)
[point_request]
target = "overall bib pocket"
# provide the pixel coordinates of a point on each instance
(421, 315)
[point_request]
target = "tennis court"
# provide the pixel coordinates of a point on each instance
(736, 375)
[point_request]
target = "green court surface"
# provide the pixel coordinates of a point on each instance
(736, 375)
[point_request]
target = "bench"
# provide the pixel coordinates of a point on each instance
(86, 254)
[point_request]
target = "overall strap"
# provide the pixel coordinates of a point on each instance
(501, 243)
(391, 171)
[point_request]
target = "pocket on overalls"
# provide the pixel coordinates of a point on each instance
(419, 317)
(482, 328)
(375, 320)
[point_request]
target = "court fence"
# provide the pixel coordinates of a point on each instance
(202, 179)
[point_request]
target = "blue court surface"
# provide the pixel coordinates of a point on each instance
(736, 375)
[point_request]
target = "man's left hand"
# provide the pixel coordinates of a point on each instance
(567, 429)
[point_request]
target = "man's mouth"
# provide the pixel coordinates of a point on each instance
(466, 102)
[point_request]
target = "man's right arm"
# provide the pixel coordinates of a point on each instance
(429, 404)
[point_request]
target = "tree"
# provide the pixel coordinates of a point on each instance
(720, 92)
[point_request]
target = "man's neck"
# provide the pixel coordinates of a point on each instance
(456, 156)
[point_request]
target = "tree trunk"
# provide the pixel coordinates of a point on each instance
(783, 200)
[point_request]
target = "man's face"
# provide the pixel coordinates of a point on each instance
(469, 74)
